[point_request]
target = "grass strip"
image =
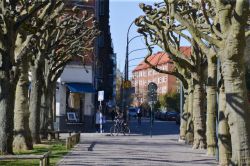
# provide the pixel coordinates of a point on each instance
(57, 148)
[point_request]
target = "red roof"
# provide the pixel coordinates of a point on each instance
(160, 58)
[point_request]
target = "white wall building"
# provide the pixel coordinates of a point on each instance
(75, 99)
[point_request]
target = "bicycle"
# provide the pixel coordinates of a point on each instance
(119, 127)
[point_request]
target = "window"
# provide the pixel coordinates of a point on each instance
(165, 79)
(159, 80)
(149, 72)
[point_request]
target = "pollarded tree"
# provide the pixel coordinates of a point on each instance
(72, 44)
(13, 14)
(221, 24)
(154, 26)
(223, 27)
(68, 36)
(26, 35)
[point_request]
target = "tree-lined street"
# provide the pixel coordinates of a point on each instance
(59, 74)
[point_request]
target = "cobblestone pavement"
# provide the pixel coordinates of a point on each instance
(138, 149)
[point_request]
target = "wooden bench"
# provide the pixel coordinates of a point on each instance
(44, 158)
(72, 140)
(56, 134)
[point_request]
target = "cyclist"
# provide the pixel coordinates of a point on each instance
(119, 126)
(119, 117)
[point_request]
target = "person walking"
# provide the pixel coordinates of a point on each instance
(98, 121)
(139, 115)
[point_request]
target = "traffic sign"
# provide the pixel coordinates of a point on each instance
(100, 95)
(127, 84)
(152, 92)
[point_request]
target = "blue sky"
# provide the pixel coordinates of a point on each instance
(122, 13)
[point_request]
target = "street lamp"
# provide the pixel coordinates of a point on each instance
(126, 73)
(136, 58)
(126, 58)
(137, 50)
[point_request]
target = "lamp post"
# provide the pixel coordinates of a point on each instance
(136, 58)
(127, 43)
(124, 95)
(126, 73)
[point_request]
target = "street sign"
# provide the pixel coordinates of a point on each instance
(152, 87)
(100, 95)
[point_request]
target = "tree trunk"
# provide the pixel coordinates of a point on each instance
(6, 104)
(35, 102)
(50, 104)
(190, 125)
(233, 72)
(44, 114)
(224, 137)
(6, 109)
(184, 118)
(22, 138)
(211, 106)
(198, 115)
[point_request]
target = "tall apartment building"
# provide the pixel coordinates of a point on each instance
(142, 75)
(105, 65)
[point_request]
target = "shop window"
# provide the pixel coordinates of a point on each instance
(74, 107)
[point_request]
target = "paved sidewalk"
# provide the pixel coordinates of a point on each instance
(138, 149)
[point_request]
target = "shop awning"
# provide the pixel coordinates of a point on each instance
(80, 87)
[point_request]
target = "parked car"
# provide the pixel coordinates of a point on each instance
(162, 115)
(171, 116)
(132, 112)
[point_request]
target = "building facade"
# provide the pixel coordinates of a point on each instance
(142, 75)
(76, 94)
(105, 64)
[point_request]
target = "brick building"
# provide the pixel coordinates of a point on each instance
(142, 75)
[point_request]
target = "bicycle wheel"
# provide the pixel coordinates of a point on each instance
(126, 130)
(113, 131)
